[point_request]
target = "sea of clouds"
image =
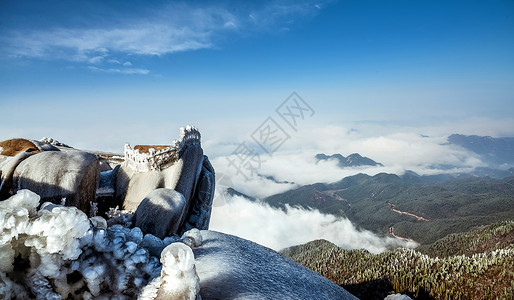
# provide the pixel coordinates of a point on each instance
(294, 163)
(424, 150)
(278, 229)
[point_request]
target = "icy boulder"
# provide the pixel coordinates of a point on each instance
(161, 212)
(57, 174)
(178, 278)
(233, 268)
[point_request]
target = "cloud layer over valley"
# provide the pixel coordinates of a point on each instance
(294, 164)
(279, 229)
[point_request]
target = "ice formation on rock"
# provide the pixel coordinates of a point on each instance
(181, 167)
(160, 159)
(178, 278)
(57, 252)
(176, 167)
(74, 175)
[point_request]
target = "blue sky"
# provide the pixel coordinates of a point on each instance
(98, 73)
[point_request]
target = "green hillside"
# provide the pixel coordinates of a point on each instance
(484, 268)
(387, 203)
(479, 240)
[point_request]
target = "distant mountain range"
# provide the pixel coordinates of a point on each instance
(424, 208)
(408, 206)
(352, 160)
(495, 151)
(463, 221)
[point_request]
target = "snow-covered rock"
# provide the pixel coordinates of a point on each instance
(176, 167)
(57, 252)
(199, 214)
(161, 212)
(178, 278)
(230, 267)
(145, 181)
(54, 175)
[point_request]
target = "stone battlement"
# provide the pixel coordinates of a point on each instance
(156, 160)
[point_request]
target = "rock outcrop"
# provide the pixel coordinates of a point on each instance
(180, 167)
(149, 180)
(161, 212)
(58, 175)
(176, 167)
(230, 267)
(53, 174)
(52, 251)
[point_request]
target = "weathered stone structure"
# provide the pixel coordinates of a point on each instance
(170, 188)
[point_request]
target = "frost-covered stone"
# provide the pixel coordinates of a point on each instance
(55, 175)
(199, 213)
(176, 167)
(192, 238)
(397, 297)
(65, 253)
(178, 278)
(233, 268)
(161, 212)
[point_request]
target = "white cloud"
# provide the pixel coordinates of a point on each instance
(121, 71)
(80, 44)
(168, 28)
(127, 64)
(277, 229)
(295, 161)
(96, 59)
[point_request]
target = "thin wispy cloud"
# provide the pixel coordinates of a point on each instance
(120, 71)
(85, 44)
(170, 28)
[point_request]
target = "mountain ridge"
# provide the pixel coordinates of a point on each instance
(352, 160)
(387, 203)
(495, 151)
